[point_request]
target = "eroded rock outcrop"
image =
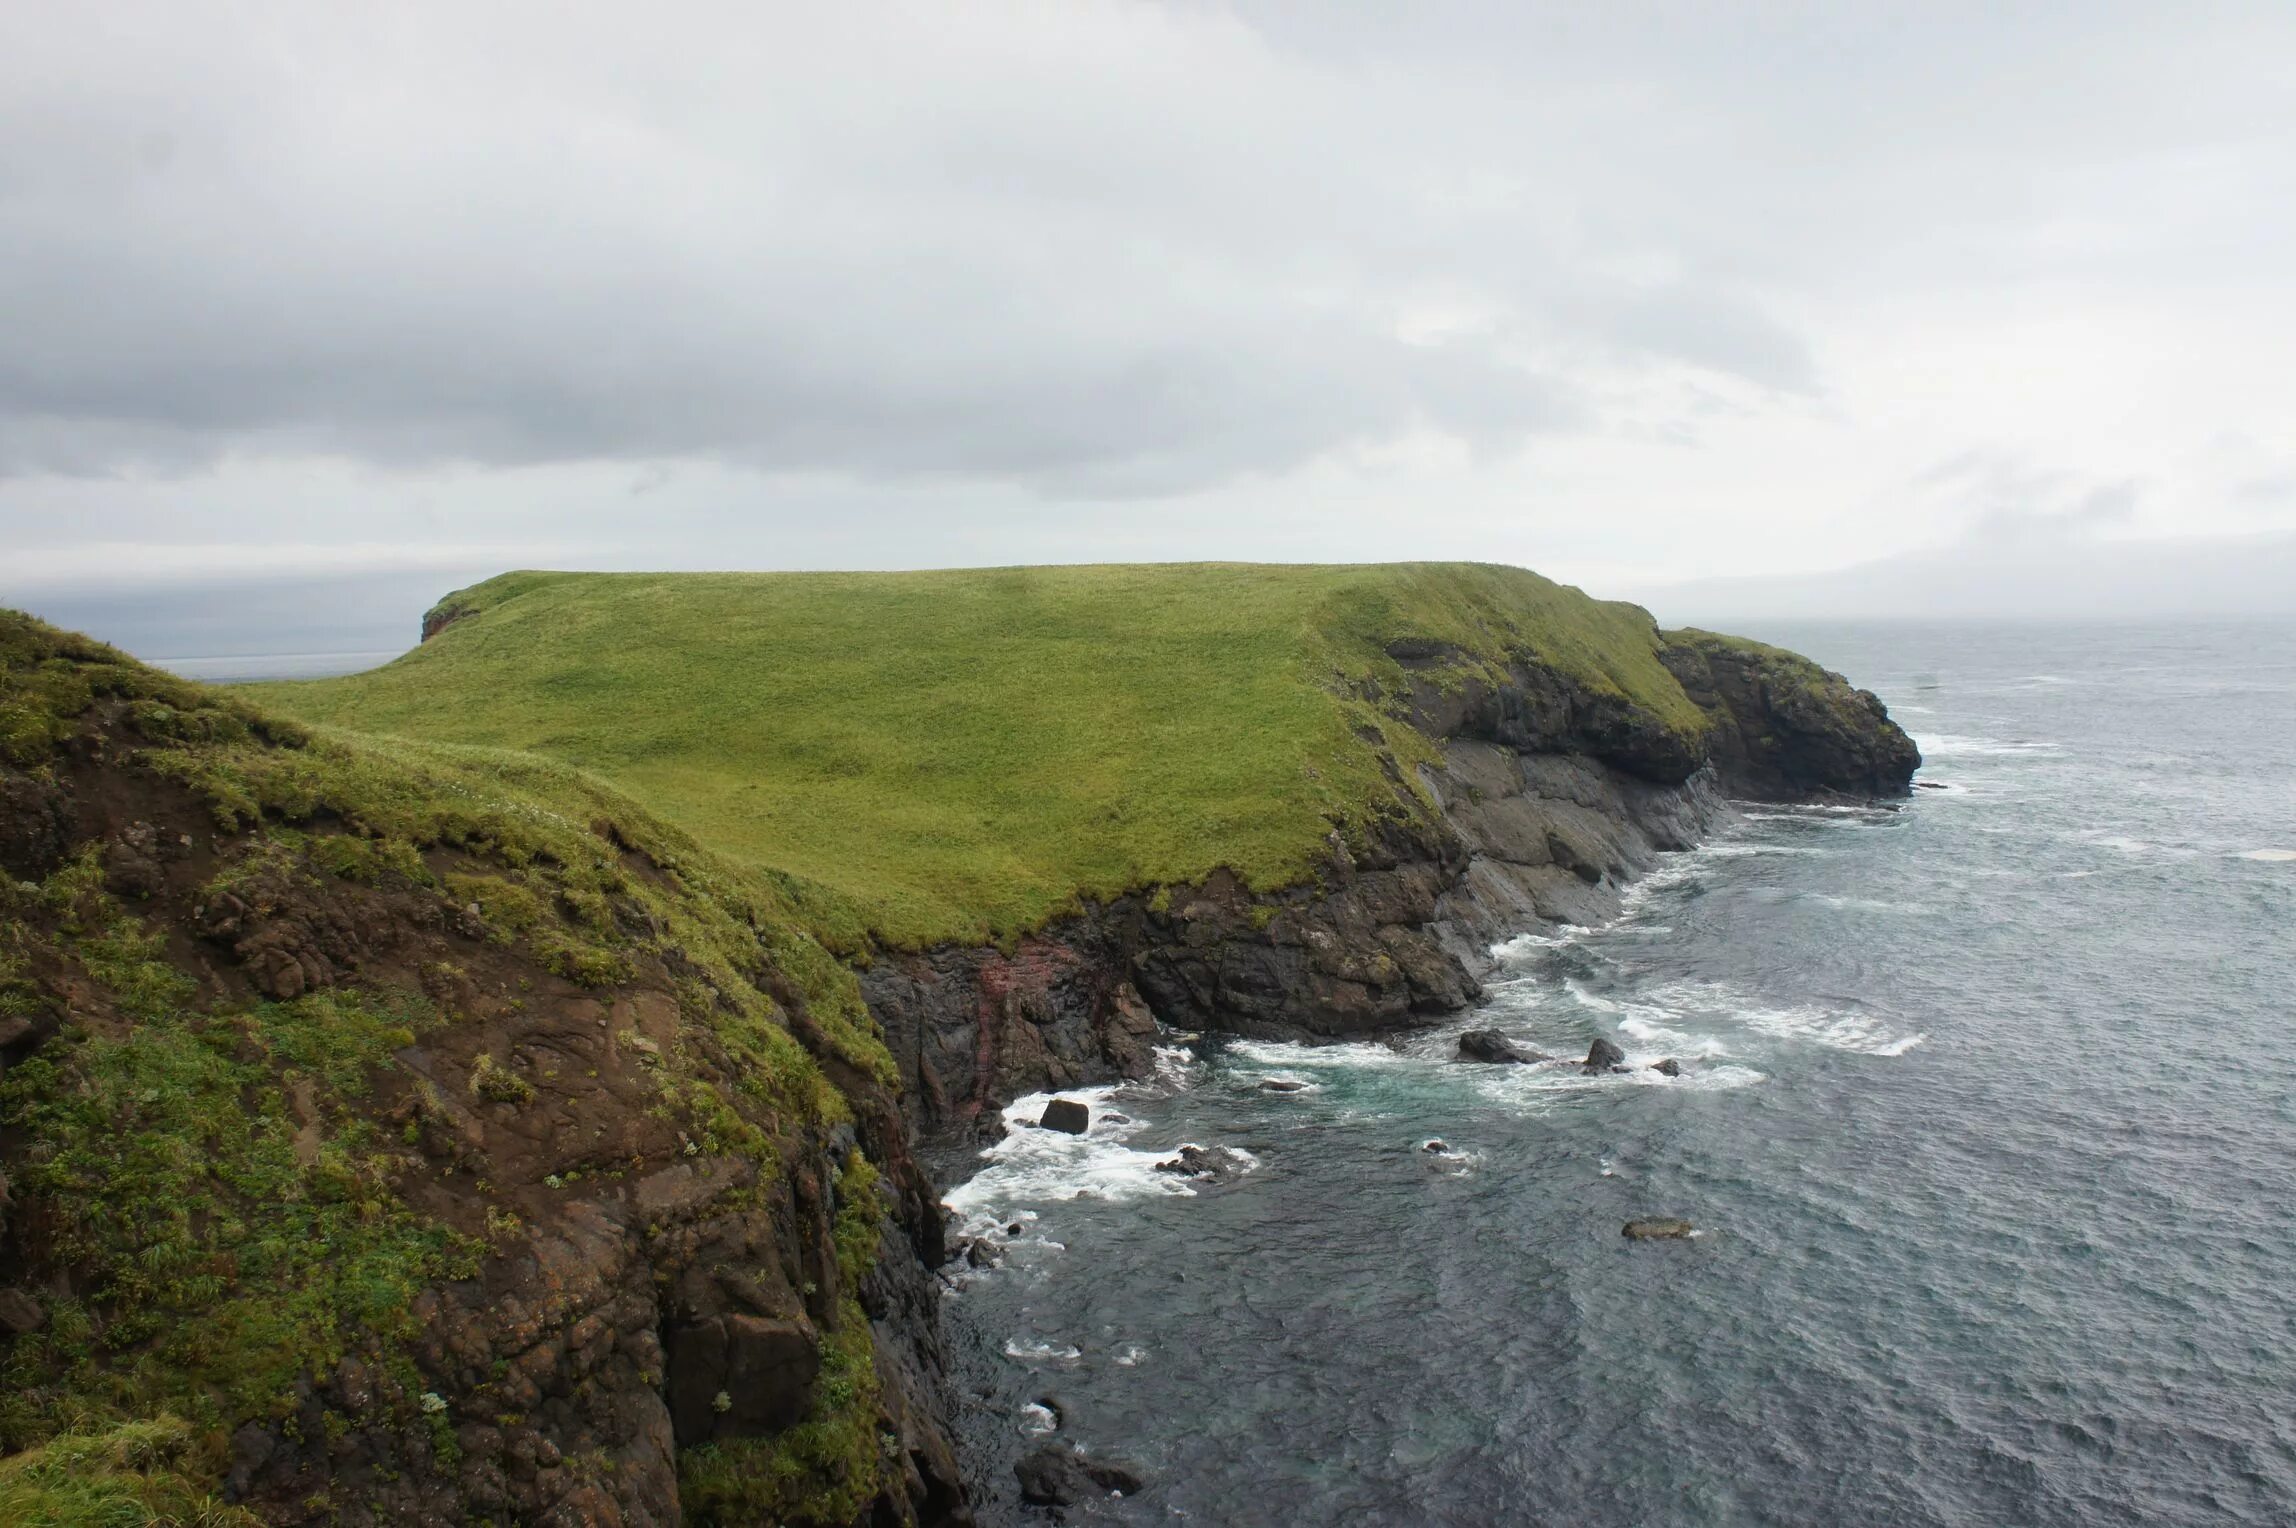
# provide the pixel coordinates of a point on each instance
(453, 1155)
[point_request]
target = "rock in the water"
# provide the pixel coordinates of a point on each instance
(1068, 1114)
(1436, 1146)
(1669, 1066)
(1661, 1229)
(1603, 1055)
(1931, 785)
(1489, 1045)
(1282, 1085)
(1053, 1476)
(1195, 1162)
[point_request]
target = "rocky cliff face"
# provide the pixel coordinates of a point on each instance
(410, 1153)
(1542, 802)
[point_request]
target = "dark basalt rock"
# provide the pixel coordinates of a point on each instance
(737, 1375)
(1657, 1229)
(1784, 728)
(1196, 1162)
(19, 1313)
(1489, 1045)
(1603, 1056)
(1282, 1085)
(1670, 1067)
(1057, 1476)
(1067, 1114)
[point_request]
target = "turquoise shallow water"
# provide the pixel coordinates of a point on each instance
(1989, 1125)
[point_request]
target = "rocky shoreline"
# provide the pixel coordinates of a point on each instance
(1548, 803)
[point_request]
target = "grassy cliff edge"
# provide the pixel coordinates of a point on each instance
(964, 755)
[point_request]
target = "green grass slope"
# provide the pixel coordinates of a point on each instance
(965, 754)
(212, 1174)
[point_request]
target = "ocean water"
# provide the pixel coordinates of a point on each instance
(1988, 1125)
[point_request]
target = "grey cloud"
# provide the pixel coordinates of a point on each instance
(242, 232)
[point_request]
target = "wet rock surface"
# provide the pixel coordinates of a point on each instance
(1055, 1475)
(1488, 1045)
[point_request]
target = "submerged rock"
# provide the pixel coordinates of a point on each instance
(1603, 1056)
(1439, 1147)
(1488, 1045)
(1053, 1476)
(1068, 1114)
(1657, 1229)
(1282, 1085)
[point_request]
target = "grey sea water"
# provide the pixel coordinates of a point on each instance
(1988, 1122)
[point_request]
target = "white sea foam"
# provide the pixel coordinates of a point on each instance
(1866, 904)
(1036, 1166)
(1129, 1355)
(1037, 1419)
(1290, 1055)
(1041, 1352)
(1531, 942)
(2269, 856)
(1837, 1029)
(1747, 851)
(1177, 1066)
(1948, 745)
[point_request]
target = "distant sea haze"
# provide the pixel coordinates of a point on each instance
(235, 669)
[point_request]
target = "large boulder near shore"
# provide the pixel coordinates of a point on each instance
(1068, 1114)
(1057, 1476)
(1603, 1055)
(1490, 1046)
(1657, 1229)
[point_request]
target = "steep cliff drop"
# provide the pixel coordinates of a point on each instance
(1543, 801)
(393, 1137)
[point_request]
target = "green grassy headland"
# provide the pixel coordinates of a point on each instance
(963, 755)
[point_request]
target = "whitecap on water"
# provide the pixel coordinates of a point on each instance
(1034, 1352)
(1037, 1419)
(1836, 1029)
(1864, 904)
(2269, 856)
(1948, 745)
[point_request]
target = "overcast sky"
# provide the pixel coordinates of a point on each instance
(310, 312)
